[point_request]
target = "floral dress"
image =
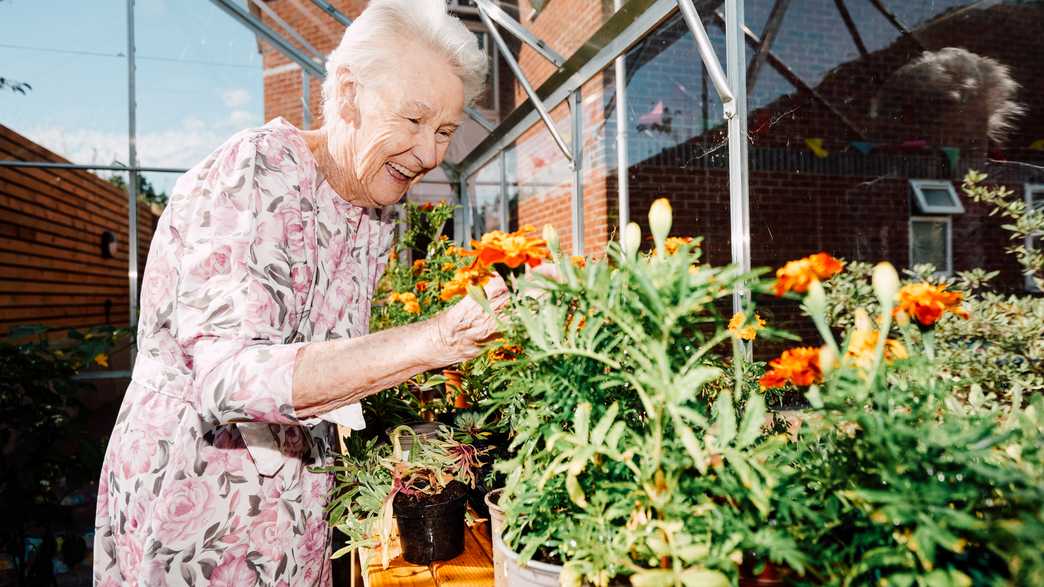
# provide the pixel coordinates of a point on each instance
(207, 474)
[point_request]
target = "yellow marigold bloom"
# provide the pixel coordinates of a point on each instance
(926, 303)
(740, 328)
(672, 244)
(102, 360)
(579, 262)
(410, 303)
(476, 274)
(798, 366)
(447, 266)
(863, 343)
(797, 275)
(393, 297)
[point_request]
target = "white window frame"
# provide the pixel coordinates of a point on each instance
(1031, 190)
(948, 221)
(918, 185)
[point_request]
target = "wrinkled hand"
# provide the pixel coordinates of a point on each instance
(547, 270)
(461, 330)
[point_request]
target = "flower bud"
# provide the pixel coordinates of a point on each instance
(862, 320)
(550, 236)
(827, 359)
(815, 300)
(632, 239)
(660, 221)
(886, 284)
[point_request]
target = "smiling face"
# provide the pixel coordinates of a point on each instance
(395, 129)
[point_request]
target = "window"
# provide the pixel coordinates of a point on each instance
(936, 197)
(1034, 242)
(931, 242)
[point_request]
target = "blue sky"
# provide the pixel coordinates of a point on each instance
(198, 78)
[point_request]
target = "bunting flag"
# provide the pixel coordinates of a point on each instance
(1037, 145)
(816, 146)
(953, 155)
(862, 146)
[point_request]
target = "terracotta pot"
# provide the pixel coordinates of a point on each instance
(772, 575)
(455, 388)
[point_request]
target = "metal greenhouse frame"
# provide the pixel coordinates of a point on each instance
(631, 22)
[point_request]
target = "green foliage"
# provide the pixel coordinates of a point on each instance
(1025, 222)
(146, 191)
(624, 464)
(45, 450)
(369, 476)
(998, 350)
(909, 487)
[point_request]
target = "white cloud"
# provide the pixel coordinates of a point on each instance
(180, 147)
(235, 97)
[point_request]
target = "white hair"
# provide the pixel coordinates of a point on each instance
(370, 43)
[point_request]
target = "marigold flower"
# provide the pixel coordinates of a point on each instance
(740, 328)
(507, 352)
(409, 302)
(579, 262)
(475, 274)
(512, 249)
(863, 344)
(672, 244)
(427, 206)
(393, 297)
(797, 275)
(422, 286)
(798, 366)
(926, 303)
(102, 360)
(447, 266)
(418, 265)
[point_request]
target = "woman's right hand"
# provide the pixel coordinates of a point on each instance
(464, 328)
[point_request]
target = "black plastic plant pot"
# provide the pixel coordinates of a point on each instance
(432, 529)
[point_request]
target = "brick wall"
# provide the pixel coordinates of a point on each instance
(51, 224)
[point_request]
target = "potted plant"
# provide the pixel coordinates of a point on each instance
(425, 492)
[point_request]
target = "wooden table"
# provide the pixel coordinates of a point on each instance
(473, 568)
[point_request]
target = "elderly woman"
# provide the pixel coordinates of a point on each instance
(255, 304)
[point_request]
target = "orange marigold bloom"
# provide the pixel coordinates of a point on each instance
(798, 366)
(512, 249)
(475, 274)
(419, 265)
(797, 275)
(673, 243)
(926, 303)
(393, 297)
(427, 206)
(741, 328)
(422, 286)
(409, 302)
(579, 262)
(507, 352)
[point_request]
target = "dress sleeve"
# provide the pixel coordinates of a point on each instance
(239, 231)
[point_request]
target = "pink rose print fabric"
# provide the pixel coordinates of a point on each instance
(254, 257)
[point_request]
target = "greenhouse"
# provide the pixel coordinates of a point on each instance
(522, 292)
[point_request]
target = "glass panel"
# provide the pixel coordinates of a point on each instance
(199, 81)
(484, 191)
(929, 243)
(842, 117)
(938, 197)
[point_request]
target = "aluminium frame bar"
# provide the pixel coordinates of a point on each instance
(497, 14)
(333, 12)
(56, 165)
(282, 45)
(132, 183)
(739, 188)
(526, 86)
(710, 59)
(619, 33)
(576, 108)
(296, 36)
(623, 164)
